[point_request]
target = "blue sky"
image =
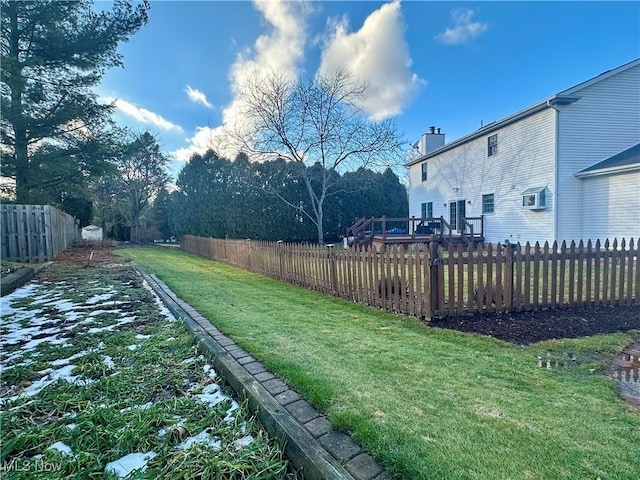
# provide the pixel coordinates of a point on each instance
(448, 64)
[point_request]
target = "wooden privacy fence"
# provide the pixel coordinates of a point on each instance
(433, 282)
(35, 233)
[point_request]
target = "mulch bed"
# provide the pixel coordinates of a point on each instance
(529, 327)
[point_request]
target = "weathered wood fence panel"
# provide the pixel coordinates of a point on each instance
(429, 281)
(35, 233)
(533, 277)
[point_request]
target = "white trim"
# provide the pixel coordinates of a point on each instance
(609, 171)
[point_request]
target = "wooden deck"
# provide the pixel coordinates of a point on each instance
(406, 231)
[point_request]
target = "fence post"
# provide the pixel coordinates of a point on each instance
(433, 277)
(508, 278)
(281, 260)
(384, 229)
(333, 269)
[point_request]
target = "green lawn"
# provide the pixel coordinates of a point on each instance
(427, 403)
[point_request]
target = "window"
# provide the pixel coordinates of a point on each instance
(492, 145)
(424, 172)
(426, 210)
(534, 198)
(453, 216)
(488, 205)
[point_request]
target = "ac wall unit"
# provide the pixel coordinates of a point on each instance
(534, 198)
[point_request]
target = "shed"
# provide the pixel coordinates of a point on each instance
(92, 232)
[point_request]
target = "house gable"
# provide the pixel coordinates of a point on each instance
(546, 145)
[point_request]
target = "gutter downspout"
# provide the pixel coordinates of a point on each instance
(556, 168)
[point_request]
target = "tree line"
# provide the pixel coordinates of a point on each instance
(266, 200)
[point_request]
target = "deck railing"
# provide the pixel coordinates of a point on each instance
(414, 229)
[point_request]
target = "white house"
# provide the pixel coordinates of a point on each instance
(566, 168)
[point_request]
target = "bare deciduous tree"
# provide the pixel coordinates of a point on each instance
(311, 123)
(142, 174)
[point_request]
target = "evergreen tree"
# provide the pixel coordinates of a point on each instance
(52, 54)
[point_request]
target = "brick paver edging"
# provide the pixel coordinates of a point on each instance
(308, 440)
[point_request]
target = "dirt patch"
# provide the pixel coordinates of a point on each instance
(529, 327)
(87, 255)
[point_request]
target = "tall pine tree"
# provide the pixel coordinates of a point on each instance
(53, 53)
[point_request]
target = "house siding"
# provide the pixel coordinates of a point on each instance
(604, 122)
(611, 207)
(525, 159)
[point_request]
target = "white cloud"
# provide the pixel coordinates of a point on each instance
(197, 96)
(464, 28)
(378, 55)
(280, 50)
(143, 115)
(204, 139)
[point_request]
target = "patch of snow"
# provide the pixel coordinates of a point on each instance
(163, 309)
(123, 467)
(61, 447)
(110, 328)
(50, 377)
(20, 335)
(47, 299)
(230, 417)
(211, 395)
(208, 370)
(54, 340)
(142, 337)
(25, 363)
(100, 311)
(72, 426)
(64, 305)
(23, 292)
(99, 298)
(133, 347)
(101, 329)
(202, 438)
(137, 407)
(65, 361)
(18, 407)
(243, 442)
(108, 361)
(71, 316)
